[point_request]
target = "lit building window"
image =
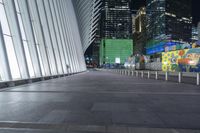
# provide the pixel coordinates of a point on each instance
(14, 68)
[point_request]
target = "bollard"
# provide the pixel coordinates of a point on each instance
(197, 78)
(156, 75)
(166, 76)
(137, 74)
(128, 72)
(179, 77)
(142, 74)
(148, 75)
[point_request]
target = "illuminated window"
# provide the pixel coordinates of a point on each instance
(40, 59)
(14, 68)
(21, 27)
(28, 58)
(4, 22)
(25, 44)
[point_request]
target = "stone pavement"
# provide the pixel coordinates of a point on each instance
(100, 102)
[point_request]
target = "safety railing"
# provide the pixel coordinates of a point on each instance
(180, 77)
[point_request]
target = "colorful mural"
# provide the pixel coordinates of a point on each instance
(187, 60)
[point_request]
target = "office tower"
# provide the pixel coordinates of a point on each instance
(194, 34)
(198, 28)
(133, 23)
(140, 31)
(169, 24)
(115, 31)
(116, 19)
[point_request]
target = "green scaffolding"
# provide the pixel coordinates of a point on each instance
(111, 49)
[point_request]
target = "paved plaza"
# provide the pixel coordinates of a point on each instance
(100, 102)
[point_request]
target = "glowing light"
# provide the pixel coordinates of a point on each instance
(165, 63)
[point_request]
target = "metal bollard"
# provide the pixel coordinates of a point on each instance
(166, 76)
(142, 74)
(137, 74)
(180, 77)
(156, 75)
(197, 78)
(148, 75)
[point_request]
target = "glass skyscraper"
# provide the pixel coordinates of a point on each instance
(168, 20)
(116, 19)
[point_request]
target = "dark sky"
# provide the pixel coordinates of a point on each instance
(196, 11)
(136, 4)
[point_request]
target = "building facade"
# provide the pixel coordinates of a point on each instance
(198, 30)
(87, 14)
(115, 31)
(140, 31)
(116, 19)
(168, 20)
(194, 34)
(133, 23)
(39, 38)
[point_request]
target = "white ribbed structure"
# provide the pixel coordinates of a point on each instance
(87, 12)
(40, 38)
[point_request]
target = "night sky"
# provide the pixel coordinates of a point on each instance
(196, 11)
(136, 4)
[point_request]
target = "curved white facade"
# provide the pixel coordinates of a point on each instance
(87, 12)
(39, 38)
